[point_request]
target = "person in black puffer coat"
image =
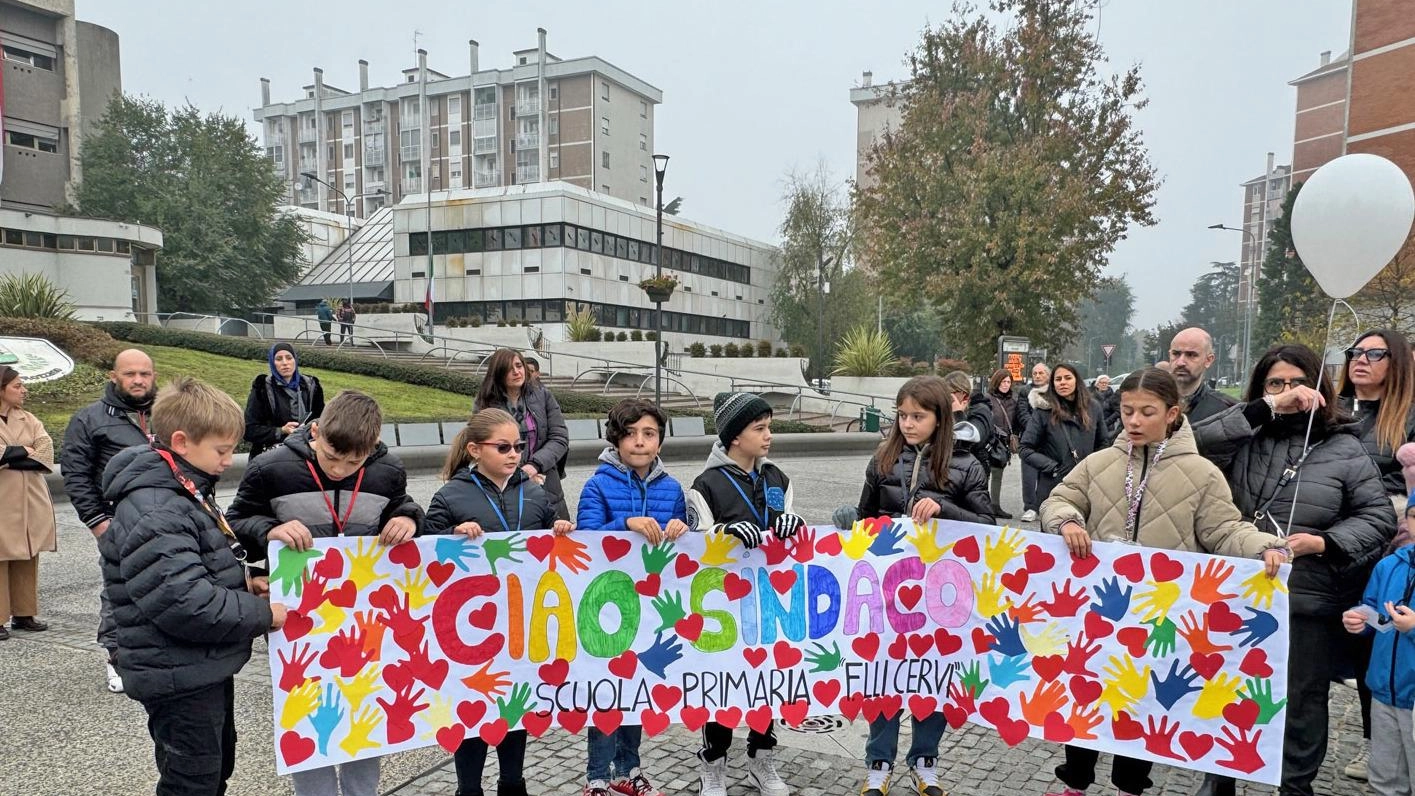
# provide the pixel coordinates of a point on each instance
(975, 409)
(1070, 427)
(280, 401)
(1341, 522)
(1007, 431)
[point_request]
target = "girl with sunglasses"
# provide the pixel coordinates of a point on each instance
(487, 491)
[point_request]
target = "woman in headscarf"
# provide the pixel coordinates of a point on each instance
(280, 401)
(26, 511)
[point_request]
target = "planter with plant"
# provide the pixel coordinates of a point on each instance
(659, 288)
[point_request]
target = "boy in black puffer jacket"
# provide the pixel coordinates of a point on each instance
(175, 576)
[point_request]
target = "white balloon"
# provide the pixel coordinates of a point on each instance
(1350, 219)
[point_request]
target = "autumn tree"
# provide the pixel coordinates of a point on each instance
(1013, 173)
(1388, 300)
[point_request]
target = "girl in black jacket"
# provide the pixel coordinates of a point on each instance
(488, 492)
(1068, 429)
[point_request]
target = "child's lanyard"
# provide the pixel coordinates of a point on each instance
(752, 507)
(520, 505)
(208, 505)
(353, 498)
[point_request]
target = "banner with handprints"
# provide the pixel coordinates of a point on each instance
(1176, 657)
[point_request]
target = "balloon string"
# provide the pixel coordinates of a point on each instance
(1312, 413)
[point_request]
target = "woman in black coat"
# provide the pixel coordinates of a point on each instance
(537, 413)
(1066, 427)
(1340, 522)
(281, 401)
(1007, 427)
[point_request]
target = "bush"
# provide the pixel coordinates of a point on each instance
(475, 322)
(637, 336)
(947, 365)
(746, 351)
(33, 296)
(798, 350)
(863, 352)
(622, 337)
(901, 367)
(763, 348)
(595, 336)
(651, 336)
(716, 350)
(780, 353)
(81, 341)
(697, 350)
(731, 351)
(501, 324)
(580, 324)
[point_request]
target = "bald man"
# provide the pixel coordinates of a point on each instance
(95, 435)
(1191, 354)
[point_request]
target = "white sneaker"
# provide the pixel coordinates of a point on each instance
(761, 768)
(877, 779)
(925, 772)
(1029, 516)
(1356, 769)
(115, 683)
(712, 781)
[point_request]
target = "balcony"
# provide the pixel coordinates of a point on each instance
(410, 122)
(525, 174)
(373, 156)
(308, 166)
(309, 135)
(374, 126)
(527, 140)
(410, 153)
(484, 146)
(275, 138)
(373, 185)
(487, 179)
(483, 112)
(412, 185)
(527, 106)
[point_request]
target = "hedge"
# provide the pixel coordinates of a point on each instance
(81, 341)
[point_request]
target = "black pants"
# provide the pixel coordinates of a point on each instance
(324, 327)
(1361, 661)
(1126, 773)
(194, 736)
(470, 759)
(717, 739)
(346, 329)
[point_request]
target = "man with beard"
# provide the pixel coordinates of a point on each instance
(95, 435)
(1191, 353)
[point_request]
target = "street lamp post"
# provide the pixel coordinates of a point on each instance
(660, 166)
(348, 219)
(1248, 307)
(822, 263)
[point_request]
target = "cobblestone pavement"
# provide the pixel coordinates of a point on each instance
(64, 735)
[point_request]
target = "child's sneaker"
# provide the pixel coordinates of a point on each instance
(761, 768)
(712, 781)
(876, 779)
(925, 773)
(636, 784)
(597, 788)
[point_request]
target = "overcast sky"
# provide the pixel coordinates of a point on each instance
(754, 89)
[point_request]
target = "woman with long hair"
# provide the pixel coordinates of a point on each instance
(536, 413)
(27, 517)
(1006, 435)
(1066, 428)
(1323, 495)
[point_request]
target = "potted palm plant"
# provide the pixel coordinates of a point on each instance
(659, 288)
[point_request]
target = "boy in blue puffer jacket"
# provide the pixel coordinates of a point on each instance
(1391, 675)
(629, 492)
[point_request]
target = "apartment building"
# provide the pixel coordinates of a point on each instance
(1319, 126)
(1263, 196)
(583, 121)
(876, 112)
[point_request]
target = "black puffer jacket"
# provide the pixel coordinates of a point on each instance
(185, 619)
(552, 439)
(1055, 448)
(1337, 491)
(1206, 402)
(467, 498)
(95, 435)
(979, 416)
(963, 498)
(1365, 412)
(268, 409)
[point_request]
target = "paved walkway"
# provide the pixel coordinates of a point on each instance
(63, 735)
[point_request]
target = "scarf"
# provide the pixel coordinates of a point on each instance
(293, 384)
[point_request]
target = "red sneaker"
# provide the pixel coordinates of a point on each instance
(636, 784)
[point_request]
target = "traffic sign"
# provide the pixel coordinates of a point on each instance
(1108, 349)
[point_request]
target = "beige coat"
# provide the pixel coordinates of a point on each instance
(1187, 504)
(26, 510)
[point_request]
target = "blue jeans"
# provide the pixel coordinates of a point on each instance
(620, 747)
(884, 739)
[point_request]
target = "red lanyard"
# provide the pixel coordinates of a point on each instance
(353, 498)
(208, 505)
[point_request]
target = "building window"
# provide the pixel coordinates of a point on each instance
(27, 141)
(555, 125)
(604, 90)
(454, 106)
(604, 125)
(555, 92)
(644, 200)
(604, 156)
(643, 109)
(555, 160)
(643, 174)
(644, 142)
(346, 120)
(348, 151)
(436, 138)
(24, 56)
(604, 189)
(454, 138)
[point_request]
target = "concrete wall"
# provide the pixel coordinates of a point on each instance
(100, 75)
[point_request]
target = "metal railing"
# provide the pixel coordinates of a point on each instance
(164, 319)
(484, 145)
(484, 111)
(487, 179)
(527, 140)
(373, 156)
(527, 106)
(527, 174)
(413, 185)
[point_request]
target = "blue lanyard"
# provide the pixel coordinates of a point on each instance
(520, 504)
(752, 507)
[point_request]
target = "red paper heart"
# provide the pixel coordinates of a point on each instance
(1125, 728)
(1255, 664)
(982, 640)
(871, 709)
(921, 707)
(955, 716)
(728, 717)
(1038, 560)
(572, 721)
(736, 586)
(786, 654)
(759, 718)
(297, 625)
(295, 748)
(399, 677)
(666, 696)
(1131, 567)
(782, 580)
(1049, 667)
(683, 565)
(434, 674)
(1133, 639)
(450, 738)
(1014, 731)
(1165, 569)
(1085, 691)
(1081, 567)
(756, 656)
(825, 692)
(1016, 582)
(967, 549)
(540, 546)
(829, 545)
(947, 643)
(899, 648)
(689, 627)
(1196, 745)
(607, 721)
(344, 596)
(1097, 627)
(493, 732)
(331, 566)
(615, 548)
(535, 724)
(650, 585)
(920, 643)
(866, 646)
(1222, 619)
(909, 596)
(793, 713)
(653, 722)
(995, 710)
(850, 706)
(483, 617)
(554, 672)
(471, 713)
(1206, 665)
(693, 718)
(624, 664)
(439, 572)
(1242, 714)
(406, 555)
(890, 705)
(1055, 728)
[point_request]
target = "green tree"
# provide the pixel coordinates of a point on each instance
(204, 182)
(1213, 306)
(1014, 171)
(1105, 319)
(1291, 308)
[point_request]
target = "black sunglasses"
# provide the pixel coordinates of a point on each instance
(504, 448)
(1371, 354)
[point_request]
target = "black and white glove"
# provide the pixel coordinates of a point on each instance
(747, 532)
(787, 525)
